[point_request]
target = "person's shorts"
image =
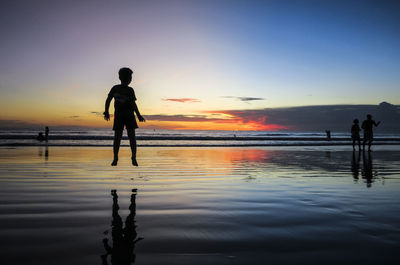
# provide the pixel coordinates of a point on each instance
(355, 137)
(125, 120)
(368, 136)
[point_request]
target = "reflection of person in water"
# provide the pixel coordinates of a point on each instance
(124, 239)
(367, 172)
(46, 152)
(355, 165)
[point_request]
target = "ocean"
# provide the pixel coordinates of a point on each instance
(149, 137)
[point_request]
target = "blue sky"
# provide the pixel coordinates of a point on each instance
(60, 58)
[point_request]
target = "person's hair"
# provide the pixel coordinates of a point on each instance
(125, 71)
(355, 121)
(369, 116)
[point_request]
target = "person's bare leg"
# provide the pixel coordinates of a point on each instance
(354, 142)
(117, 143)
(369, 145)
(132, 142)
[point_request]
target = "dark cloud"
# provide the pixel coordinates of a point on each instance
(182, 100)
(74, 117)
(245, 99)
(320, 118)
(17, 124)
(100, 114)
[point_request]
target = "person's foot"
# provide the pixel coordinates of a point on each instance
(114, 162)
(134, 162)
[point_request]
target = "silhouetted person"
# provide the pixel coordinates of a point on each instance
(355, 134)
(125, 107)
(367, 164)
(122, 251)
(40, 137)
(355, 165)
(46, 133)
(328, 134)
(367, 126)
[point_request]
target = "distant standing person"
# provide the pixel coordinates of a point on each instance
(328, 134)
(46, 133)
(125, 107)
(355, 134)
(368, 134)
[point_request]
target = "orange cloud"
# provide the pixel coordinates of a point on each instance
(218, 120)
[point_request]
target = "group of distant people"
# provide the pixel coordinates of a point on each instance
(367, 126)
(44, 137)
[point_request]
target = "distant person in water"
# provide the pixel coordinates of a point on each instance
(46, 133)
(368, 134)
(40, 137)
(125, 107)
(328, 134)
(355, 134)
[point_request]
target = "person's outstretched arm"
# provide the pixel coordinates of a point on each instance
(136, 110)
(376, 124)
(106, 113)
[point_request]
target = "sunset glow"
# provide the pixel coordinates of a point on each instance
(194, 59)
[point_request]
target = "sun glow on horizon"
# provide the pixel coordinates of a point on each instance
(211, 65)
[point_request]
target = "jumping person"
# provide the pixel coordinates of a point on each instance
(125, 107)
(367, 125)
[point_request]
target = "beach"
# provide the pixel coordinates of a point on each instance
(200, 205)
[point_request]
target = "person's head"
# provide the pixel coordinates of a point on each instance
(369, 116)
(125, 75)
(355, 121)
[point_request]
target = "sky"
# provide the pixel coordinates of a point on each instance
(223, 65)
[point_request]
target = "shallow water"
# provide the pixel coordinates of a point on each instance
(200, 206)
(187, 138)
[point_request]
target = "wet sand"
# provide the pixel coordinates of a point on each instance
(221, 205)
